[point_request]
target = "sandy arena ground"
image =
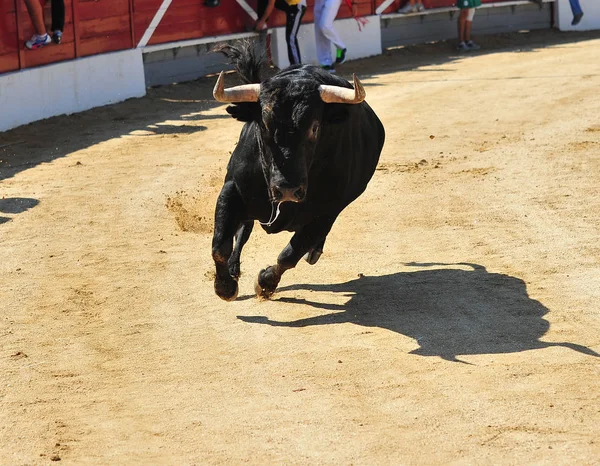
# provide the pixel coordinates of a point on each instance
(454, 317)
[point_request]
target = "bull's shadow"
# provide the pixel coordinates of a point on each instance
(448, 311)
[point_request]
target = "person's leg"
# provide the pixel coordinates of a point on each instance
(58, 15)
(322, 42)
(328, 15)
(469, 22)
(41, 37)
(58, 20)
(261, 6)
(575, 7)
(470, 12)
(577, 11)
(293, 18)
(461, 23)
(37, 16)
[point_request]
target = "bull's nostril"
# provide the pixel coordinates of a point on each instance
(285, 194)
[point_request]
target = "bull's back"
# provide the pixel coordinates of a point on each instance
(359, 149)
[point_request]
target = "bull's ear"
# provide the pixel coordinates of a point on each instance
(245, 111)
(335, 113)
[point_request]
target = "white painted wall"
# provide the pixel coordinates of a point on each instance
(360, 44)
(69, 87)
(590, 20)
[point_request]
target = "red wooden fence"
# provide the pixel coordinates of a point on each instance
(99, 26)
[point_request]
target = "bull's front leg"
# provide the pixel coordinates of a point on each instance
(241, 238)
(228, 220)
(305, 240)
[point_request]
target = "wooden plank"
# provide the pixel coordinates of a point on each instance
(75, 25)
(7, 6)
(173, 33)
(9, 62)
(48, 54)
(109, 43)
(104, 26)
(145, 6)
(9, 46)
(8, 33)
(131, 25)
(18, 17)
(102, 9)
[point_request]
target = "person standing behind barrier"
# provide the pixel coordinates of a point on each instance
(575, 9)
(294, 11)
(465, 21)
(577, 12)
(36, 12)
(325, 12)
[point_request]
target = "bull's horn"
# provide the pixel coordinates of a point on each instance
(343, 95)
(243, 93)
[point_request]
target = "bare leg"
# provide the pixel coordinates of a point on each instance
(37, 16)
(468, 25)
(462, 22)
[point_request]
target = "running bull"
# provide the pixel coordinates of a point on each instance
(309, 146)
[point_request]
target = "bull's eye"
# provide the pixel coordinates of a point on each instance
(314, 131)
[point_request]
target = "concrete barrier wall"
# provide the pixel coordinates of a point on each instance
(409, 30)
(70, 87)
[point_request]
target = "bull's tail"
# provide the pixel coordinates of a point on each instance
(246, 58)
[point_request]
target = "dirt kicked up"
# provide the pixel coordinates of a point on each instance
(453, 318)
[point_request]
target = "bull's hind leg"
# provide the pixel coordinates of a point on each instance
(228, 215)
(302, 242)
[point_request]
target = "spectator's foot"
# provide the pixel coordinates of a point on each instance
(472, 45)
(462, 47)
(408, 8)
(57, 36)
(329, 68)
(420, 7)
(38, 41)
(340, 56)
(576, 19)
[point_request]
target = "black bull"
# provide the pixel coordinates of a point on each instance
(308, 149)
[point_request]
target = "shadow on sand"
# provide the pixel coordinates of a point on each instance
(448, 311)
(17, 205)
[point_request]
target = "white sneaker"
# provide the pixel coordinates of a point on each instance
(38, 41)
(408, 8)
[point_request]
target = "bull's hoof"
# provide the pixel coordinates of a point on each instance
(266, 282)
(226, 289)
(313, 256)
(234, 269)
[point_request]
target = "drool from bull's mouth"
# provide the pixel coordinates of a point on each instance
(272, 218)
(303, 127)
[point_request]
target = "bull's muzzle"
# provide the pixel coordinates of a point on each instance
(288, 193)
